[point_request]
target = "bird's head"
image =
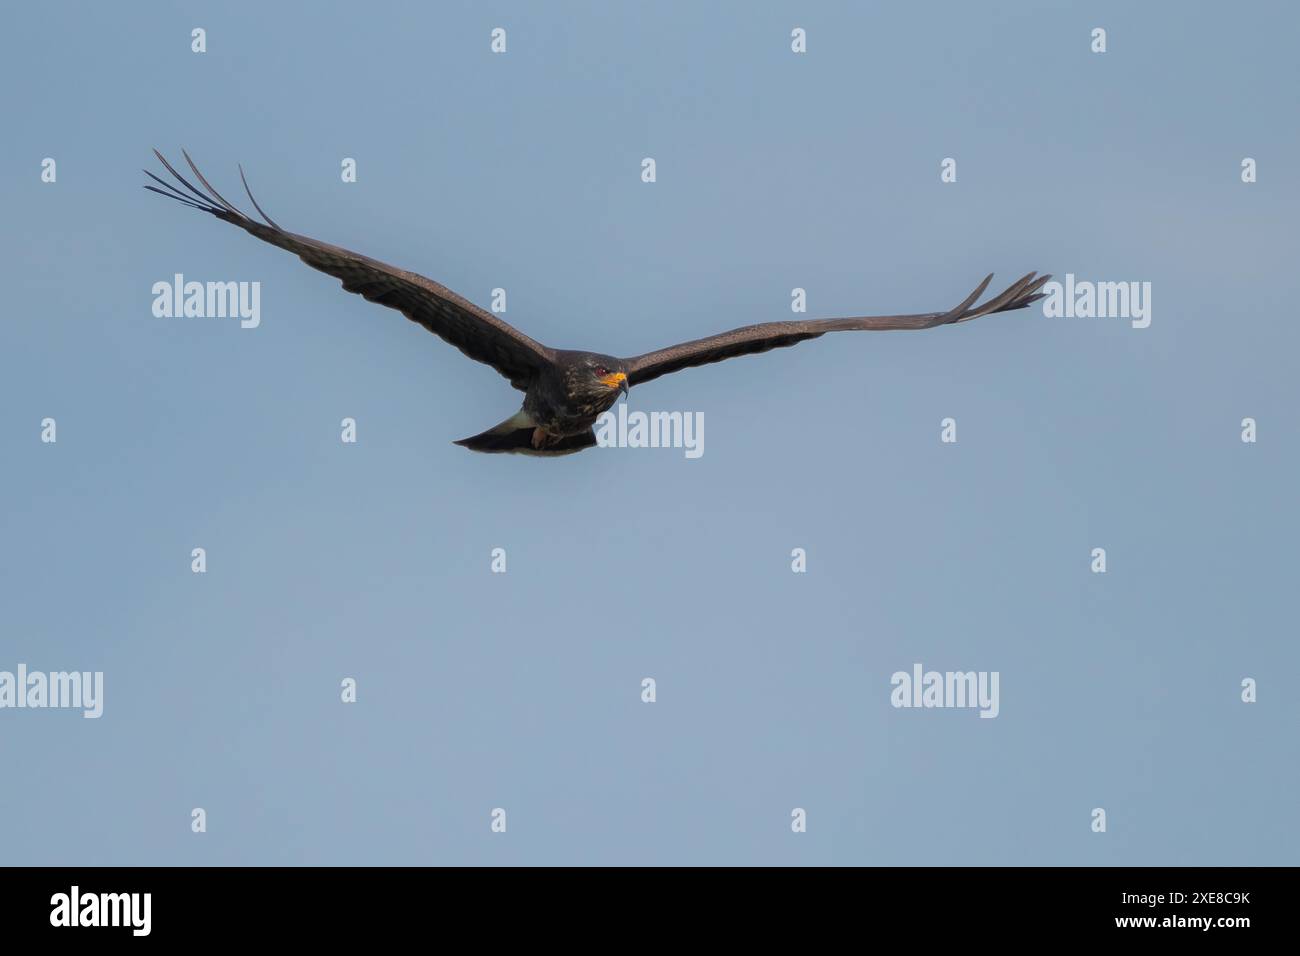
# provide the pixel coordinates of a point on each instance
(605, 376)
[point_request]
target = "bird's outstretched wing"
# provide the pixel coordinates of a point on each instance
(775, 335)
(476, 332)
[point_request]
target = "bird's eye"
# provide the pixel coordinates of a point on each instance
(601, 370)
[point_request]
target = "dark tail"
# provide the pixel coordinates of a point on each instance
(515, 436)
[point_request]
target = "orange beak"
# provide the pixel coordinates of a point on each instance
(616, 380)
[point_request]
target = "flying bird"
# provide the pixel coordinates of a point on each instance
(564, 391)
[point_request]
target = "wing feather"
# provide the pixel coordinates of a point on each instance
(752, 339)
(476, 332)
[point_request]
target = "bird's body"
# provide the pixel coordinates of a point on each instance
(558, 401)
(564, 391)
(559, 410)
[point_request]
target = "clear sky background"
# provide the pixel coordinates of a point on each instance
(522, 691)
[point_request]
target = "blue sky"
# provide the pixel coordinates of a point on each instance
(522, 690)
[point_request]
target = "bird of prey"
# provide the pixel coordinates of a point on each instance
(564, 391)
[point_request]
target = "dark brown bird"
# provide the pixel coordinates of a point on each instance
(564, 391)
